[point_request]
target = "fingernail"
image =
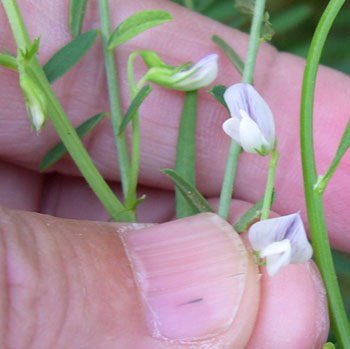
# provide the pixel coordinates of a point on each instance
(190, 274)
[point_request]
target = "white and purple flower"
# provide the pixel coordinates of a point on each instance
(280, 241)
(201, 74)
(188, 77)
(251, 124)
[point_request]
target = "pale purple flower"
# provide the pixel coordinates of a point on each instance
(201, 74)
(280, 241)
(251, 124)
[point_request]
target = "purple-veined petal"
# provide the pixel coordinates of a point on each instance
(205, 70)
(243, 96)
(290, 227)
(251, 138)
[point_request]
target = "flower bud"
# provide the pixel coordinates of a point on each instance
(251, 124)
(280, 241)
(35, 102)
(187, 77)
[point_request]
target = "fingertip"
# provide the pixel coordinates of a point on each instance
(197, 282)
(293, 309)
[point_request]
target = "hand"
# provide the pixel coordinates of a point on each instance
(75, 275)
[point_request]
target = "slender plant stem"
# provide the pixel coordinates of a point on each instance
(186, 152)
(314, 204)
(254, 38)
(114, 96)
(229, 180)
(235, 149)
(135, 152)
(265, 211)
(61, 122)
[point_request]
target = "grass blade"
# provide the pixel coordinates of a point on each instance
(344, 145)
(8, 62)
(190, 193)
(136, 24)
(251, 215)
(70, 54)
(76, 16)
(134, 106)
(186, 152)
(59, 150)
(217, 92)
(231, 54)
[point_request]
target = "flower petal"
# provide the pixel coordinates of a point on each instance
(264, 233)
(278, 255)
(202, 74)
(301, 248)
(244, 96)
(252, 139)
(231, 128)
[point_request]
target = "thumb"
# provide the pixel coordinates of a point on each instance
(67, 283)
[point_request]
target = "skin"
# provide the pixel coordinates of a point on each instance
(58, 255)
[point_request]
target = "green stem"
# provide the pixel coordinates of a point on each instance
(254, 39)
(114, 96)
(265, 211)
(61, 122)
(186, 152)
(229, 180)
(235, 149)
(314, 204)
(135, 151)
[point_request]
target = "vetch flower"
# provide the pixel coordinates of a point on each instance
(188, 77)
(201, 74)
(280, 241)
(251, 124)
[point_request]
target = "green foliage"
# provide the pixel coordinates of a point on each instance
(251, 215)
(134, 106)
(59, 150)
(190, 193)
(217, 92)
(136, 24)
(8, 61)
(232, 55)
(69, 55)
(76, 16)
(344, 145)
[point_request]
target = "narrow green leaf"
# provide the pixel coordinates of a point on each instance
(186, 152)
(328, 345)
(134, 106)
(231, 54)
(8, 61)
(137, 202)
(217, 92)
(32, 50)
(136, 24)
(76, 16)
(191, 194)
(70, 54)
(59, 150)
(7, 52)
(344, 145)
(251, 215)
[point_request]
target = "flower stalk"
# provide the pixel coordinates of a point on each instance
(114, 96)
(314, 204)
(235, 148)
